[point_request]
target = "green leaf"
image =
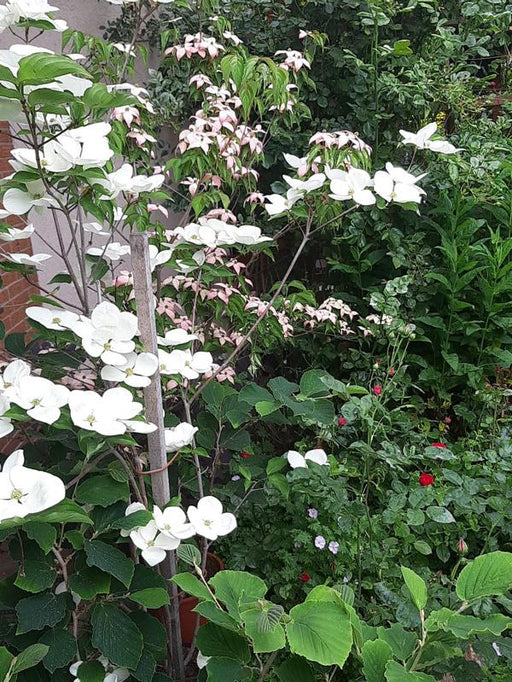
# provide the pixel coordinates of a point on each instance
(252, 394)
(279, 482)
(263, 642)
(88, 582)
(39, 611)
(422, 547)
(222, 669)
(91, 671)
(62, 648)
(66, 511)
(464, 626)
(295, 669)
(116, 636)
(312, 383)
(416, 586)
(43, 533)
(231, 586)
(192, 585)
(110, 559)
(212, 613)
(153, 634)
(151, 597)
(375, 653)
(321, 632)
(486, 576)
(42, 67)
(275, 465)
(138, 518)
(102, 490)
(146, 668)
(30, 657)
(189, 554)
(213, 640)
(440, 515)
(401, 642)
(6, 659)
(35, 576)
(397, 673)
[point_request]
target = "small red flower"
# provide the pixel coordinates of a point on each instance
(305, 577)
(342, 421)
(391, 372)
(245, 454)
(438, 445)
(377, 390)
(493, 84)
(447, 420)
(426, 479)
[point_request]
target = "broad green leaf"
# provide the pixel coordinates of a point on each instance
(252, 394)
(39, 611)
(464, 626)
(35, 576)
(321, 632)
(189, 554)
(263, 642)
(440, 515)
(375, 653)
(146, 668)
(422, 547)
(416, 586)
(233, 586)
(29, 657)
(295, 669)
(6, 659)
(151, 597)
(153, 634)
(91, 671)
(43, 533)
(275, 465)
(192, 585)
(213, 640)
(213, 614)
(109, 559)
(401, 642)
(62, 648)
(42, 67)
(66, 511)
(222, 669)
(102, 490)
(397, 673)
(486, 576)
(312, 383)
(88, 582)
(116, 636)
(279, 482)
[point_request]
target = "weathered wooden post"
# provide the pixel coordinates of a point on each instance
(144, 298)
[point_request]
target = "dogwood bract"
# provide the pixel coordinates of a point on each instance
(209, 520)
(110, 414)
(172, 521)
(179, 436)
(52, 318)
(26, 491)
(41, 398)
(297, 461)
(135, 371)
(422, 140)
(153, 543)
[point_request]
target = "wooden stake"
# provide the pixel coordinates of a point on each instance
(144, 298)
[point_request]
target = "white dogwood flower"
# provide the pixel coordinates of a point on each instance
(396, 184)
(179, 436)
(281, 203)
(11, 377)
(298, 461)
(13, 234)
(209, 520)
(172, 521)
(113, 251)
(19, 202)
(41, 398)
(27, 491)
(124, 180)
(422, 140)
(176, 337)
(15, 11)
(184, 363)
(52, 318)
(110, 414)
(6, 426)
(153, 543)
(312, 183)
(351, 184)
(135, 372)
(26, 259)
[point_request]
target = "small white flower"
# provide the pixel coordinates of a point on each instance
(202, 661)
(135, 372)
(153, 544)
(19, 202)
(314, 182)
(392, 190)
(110, 414)
(41, 398)
(279, 203)
(179, 436)
(172, 521)
(13, 234)
(26, 491)
(113, 251)
(176, 337)
(209, 520)
(52, 318)
(124, 180)
(298, 461)
(11, 377)
(184, 363)
(351, 184)
(26, 259)
(422, 140)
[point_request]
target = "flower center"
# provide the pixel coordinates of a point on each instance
(16, 494)
(36, 402)
(56, 320)
(207, 523)
(107, 346)
(129, 372)
(151, 543)
(91, 419)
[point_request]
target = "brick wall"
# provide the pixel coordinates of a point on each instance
(15, 291)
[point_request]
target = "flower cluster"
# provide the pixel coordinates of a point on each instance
(26, 491)
(197, 44)
(168, 527)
